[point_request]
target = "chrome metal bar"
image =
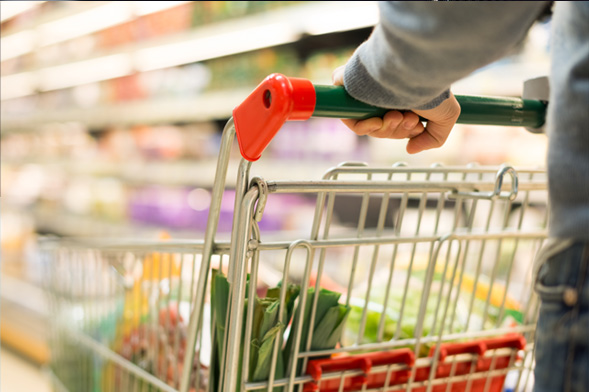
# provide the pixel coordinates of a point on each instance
(381, 221)
(398, 224)
(434, 169)
(457, 214)
(528, 359)
(155, 320)
(523, 208)
(496, 263)
(313, 313)
(469, 226)
(209, 241)
(292, 362)
(384, 186)
(235, 258)
(241, 187)
(276, 350)
(446, 306)
(359, 235)
(249, 319)
(175, 375)
(423, 305)
(237, 292)
(333, 243)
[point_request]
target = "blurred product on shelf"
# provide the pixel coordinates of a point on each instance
(313, 140)
(226, 73)
(169, 21)
(17, 239)
(146, 175)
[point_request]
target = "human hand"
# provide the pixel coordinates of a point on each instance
(406, 125)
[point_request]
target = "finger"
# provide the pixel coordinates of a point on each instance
(338, 76)
(435, 136)
(409, 127)
(410, 121)
(390, 123)
(419, 128)
(364, 127)
(399, 125)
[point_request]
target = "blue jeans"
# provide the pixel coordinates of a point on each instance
(562, 333)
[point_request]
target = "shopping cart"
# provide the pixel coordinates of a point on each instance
(411, 279)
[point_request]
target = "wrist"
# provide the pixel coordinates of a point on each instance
(437, 101)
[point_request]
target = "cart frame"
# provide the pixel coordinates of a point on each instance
(246, 244)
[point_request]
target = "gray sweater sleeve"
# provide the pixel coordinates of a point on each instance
(420, 48)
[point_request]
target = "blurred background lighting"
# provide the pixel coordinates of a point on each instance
(9, 9)
(199, 199)
(354, 15)
(149, 7)
(213, 45)
(17, 44)
(17, 85)
(86, 71)
(86, 22)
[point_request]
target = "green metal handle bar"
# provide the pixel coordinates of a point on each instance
(279, 99)
(334, 101)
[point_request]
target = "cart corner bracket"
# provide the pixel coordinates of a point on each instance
(261, 115)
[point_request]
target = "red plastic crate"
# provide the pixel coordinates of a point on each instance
(320, 369)
(364, 362)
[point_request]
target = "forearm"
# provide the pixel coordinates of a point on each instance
(420, 48)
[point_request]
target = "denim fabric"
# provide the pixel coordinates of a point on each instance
(562, 333)
(568, 122)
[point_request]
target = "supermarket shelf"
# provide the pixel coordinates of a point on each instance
(263, 30)
(214, 105)
(21, 374)
(295, 20)
(199, 173)
(54, 16)
(25, 318)
(12, 290)
(67, 224)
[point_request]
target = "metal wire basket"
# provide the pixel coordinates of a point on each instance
(415, 279)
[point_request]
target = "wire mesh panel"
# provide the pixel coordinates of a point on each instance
(411, 279)
(120, 315)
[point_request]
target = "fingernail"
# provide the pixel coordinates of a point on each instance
(407, 125)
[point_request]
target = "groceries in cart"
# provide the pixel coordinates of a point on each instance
(271, 319)
(151, 328)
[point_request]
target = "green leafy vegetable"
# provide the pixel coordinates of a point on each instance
(267, 329)
(328, 324)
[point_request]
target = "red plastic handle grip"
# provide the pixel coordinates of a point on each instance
(475, 347)
(315, 368)
(262, 114)
(507, 341)
(364, 362)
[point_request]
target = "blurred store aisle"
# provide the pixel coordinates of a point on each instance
(19, 375)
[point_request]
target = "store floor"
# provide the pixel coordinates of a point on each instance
(19, 375)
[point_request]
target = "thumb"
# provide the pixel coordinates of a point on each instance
(434, 136)
(441, 120)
